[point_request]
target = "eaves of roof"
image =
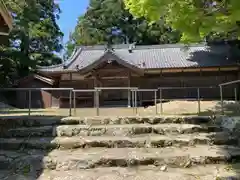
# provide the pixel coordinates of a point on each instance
(148, 57)
(36, 76)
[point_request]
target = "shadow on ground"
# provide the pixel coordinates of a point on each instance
(231, 126)
(25, 163)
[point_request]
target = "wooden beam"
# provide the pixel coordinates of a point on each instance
(210, 69)
(192, 70)
(171, 70)
(229, 68)
(115, 77)
(4, 34)
(179, 70)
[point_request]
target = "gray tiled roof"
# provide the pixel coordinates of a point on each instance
(149, 57)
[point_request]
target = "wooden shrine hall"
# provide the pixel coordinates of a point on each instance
(144, 67)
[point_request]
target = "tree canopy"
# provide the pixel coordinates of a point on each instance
(196, 19)
(34, 40)
(107, 21)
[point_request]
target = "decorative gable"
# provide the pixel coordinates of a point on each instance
(110, 63)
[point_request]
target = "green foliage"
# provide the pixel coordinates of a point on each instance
(95, 27)
(35, 37)
(195, 18)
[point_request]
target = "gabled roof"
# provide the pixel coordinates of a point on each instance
(5, 15)
(109, 56)
(150, 57)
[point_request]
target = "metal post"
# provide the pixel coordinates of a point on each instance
(136, 102)
(51, 98)
(70, 103)
(94, 99)
(129, 98)
(199, 105)
(74, 103)
(161, 107)
(97, 102)
(235, 95)
(221, 95)
(133, 102)
(29, 102)
(155, 101)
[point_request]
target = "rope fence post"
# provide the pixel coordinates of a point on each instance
(94, 99)
(70, 103)
(155, 101)
(161, 105)
(97, 102)
(235, 95)
(199, 103)
(133, 101)
(136, 106)
(221, 96)
(74, 103)
(29, 102)
(129, 98)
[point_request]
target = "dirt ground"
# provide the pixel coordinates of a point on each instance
(193, 107)
(168, 108)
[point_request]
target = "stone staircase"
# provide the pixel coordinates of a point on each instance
(117, 148)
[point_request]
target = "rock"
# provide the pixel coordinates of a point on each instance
(188, 164)
(163, 168)
(228, 123)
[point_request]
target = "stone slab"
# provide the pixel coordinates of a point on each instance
(48, 143)
(108, 130)
(64, 160)
(208, 172)
(25, 121)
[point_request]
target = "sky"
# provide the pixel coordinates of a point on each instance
(71, 10)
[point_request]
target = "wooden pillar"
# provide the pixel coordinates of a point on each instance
(182, 92)
(129, 91)
(95, 94)
(140, 94)
(182, 80)
(100, 93)
(95, 83)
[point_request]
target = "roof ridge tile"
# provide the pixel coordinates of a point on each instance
(157, 46)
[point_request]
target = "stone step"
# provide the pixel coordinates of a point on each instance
(108, 130)
(25, 121)
(118, 157)
(118, 141)
(208, 172)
